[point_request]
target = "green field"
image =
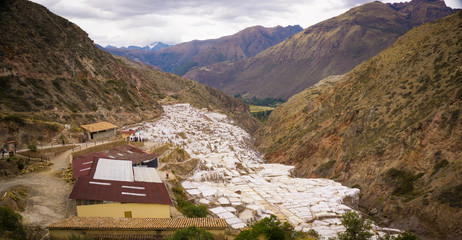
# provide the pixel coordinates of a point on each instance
(254, 108)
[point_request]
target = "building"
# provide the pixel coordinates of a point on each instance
(131, 228)
(81, 165)
(119, 182)
(99, 130)
(127, 134)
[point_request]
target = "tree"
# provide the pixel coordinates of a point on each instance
(357, 228)
(270, 228)
(192, 233)
(10, 224)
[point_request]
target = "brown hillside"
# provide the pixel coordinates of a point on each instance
(331, 47)
(180, 58)
(51, 73)
(392, 127)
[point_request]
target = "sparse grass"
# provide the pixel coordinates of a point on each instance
(161, 149)
(255, 108)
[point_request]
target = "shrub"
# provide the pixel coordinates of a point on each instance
(20, 165)
(406, 236)
(325, 166)
(270, 228)
(403, 180)
(357, 228)
(187, 208)
(452, 196)
(441, 164)
(190, 210)
(10, 224)
(192, 233)
(32, 147)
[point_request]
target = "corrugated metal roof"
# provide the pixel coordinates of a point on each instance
(101, 126)
(145, 174)
(114, 170)
(82, 223)
(80, 164)
(86, 188)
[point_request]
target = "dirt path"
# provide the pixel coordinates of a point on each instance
(47, 194)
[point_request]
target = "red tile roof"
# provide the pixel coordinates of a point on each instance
(128, 132)
(82, 223)
(87, 188)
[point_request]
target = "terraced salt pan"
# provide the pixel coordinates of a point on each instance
(235, 183)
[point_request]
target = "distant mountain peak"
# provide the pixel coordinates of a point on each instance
(155, 46)
(197, 53)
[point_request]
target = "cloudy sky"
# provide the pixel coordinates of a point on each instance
(141, 22)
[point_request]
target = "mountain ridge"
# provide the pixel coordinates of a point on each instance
(197, 53)
(331, 47)
(391, 127)
(52, 73)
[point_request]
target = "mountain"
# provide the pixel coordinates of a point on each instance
(52, 74)
(392, 127)
(331, 47)
(155, 46)
(182, 57)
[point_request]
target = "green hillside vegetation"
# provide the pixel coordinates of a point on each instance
(334, 46)
(391, 126)
(51, 73)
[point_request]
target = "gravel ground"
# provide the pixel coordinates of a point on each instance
(47, 200)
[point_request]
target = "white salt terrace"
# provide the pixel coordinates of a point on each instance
(236, 185)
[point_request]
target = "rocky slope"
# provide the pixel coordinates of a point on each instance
(52, 73)
(331, 47)
(392, 127)
(180, 58)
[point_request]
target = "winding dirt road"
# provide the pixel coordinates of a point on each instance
(47, 200)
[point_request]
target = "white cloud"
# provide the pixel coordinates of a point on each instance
(140, 22)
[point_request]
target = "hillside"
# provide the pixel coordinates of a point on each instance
(53, 74)
(392, 127)
(182, 57)
(331, 47)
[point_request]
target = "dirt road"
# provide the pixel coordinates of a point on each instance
(47, 200)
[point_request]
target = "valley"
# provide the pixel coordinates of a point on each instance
(360, 112)
(232, 180)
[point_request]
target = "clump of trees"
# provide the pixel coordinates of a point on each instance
(271, 102)
(358, 228)
(269, 228)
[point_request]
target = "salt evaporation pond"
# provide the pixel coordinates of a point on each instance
(236, 185)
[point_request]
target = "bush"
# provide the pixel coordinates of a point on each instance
(10, 224)
(191, 210)
(441, 164)
(192, 233)
(452, 196)
(187, 208)
(357, 228)
(32, 147)
(270, 228)
(20, 165)
(403, 180)
(406, 236)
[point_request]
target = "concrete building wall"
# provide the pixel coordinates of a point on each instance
(138, 210)
(104, 134)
